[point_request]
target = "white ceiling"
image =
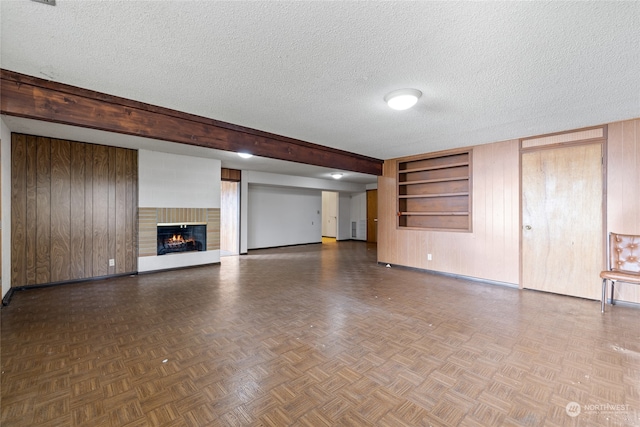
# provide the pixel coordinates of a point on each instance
(318, 71)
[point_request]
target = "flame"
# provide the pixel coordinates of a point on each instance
(178, 239)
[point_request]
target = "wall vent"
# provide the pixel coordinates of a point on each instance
(353, 230)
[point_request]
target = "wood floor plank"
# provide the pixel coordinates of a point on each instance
(316, 335)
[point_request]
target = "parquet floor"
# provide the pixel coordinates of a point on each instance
(316, 335)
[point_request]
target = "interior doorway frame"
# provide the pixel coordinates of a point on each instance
(229, 176)
(585, 136)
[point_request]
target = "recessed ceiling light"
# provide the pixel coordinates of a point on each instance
(245, 155)
(336, 175)
(402, 99)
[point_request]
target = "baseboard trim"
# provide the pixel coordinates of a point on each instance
(7, 297)
(283, 246)
(454, 276)
(185, 267)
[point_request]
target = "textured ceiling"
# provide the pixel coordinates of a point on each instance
(318, 71)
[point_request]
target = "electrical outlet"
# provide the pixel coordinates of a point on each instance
(429, 258)
(112, 262)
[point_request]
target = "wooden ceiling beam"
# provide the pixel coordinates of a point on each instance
(34, 98)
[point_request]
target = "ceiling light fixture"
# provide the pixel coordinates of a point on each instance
(402, 99)
(336, 175)
(245, 155)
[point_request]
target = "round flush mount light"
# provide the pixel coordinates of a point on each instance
(402, 99)
(336, 175)
(245, 155)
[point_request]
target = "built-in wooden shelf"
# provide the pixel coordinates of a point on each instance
(435, 192)
(434, 213)
(421, 196)
(427, 181)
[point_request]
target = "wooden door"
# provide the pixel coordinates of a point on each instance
(562, 205)
(372, 216)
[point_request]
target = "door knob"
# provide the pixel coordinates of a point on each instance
(527, 227)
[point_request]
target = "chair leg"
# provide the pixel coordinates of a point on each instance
(613, 284)
(604, 295)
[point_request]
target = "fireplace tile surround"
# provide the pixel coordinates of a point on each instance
(149, 218)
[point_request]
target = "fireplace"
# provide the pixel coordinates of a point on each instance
(177, 238)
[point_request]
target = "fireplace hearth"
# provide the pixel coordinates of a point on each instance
(178, 238)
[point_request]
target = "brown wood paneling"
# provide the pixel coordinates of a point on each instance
(623, 188)
(0, 227)
(31, 237)
(564, 137)
(490, 251)
(60, 210)
(88, 210)
(111, 216)
(43, 214)
(230, 174)
(72, 202)
(39, 99)
(18, 210)
(100, 210)
(130, 213)
(77, 210)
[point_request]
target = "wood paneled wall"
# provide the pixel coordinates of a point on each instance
(491, 251)
(623, 188)
(234, 175)
(149, 218)
(73, 208)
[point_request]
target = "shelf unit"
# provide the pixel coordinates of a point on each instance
(435, 192)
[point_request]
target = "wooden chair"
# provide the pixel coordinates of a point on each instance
(624, 263)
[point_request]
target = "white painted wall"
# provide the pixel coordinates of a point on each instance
(284, 181)
(329, 214)
(344, 216)
(5, 215)
(281, 216)
(175, 181)
(359, 215)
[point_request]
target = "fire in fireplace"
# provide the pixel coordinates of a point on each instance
(175, 238)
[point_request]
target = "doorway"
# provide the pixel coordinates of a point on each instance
(329, 216)
(562, 219)
(229, 218)
(372, 216)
